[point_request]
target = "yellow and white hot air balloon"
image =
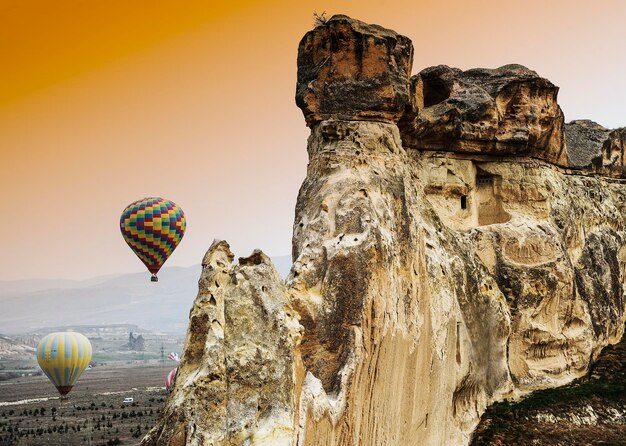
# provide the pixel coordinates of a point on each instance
(63, 356)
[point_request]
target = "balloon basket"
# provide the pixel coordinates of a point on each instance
(64, 390)
(154, 278)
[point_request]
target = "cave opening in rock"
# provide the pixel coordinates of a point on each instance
(435, 91)
(463, 201)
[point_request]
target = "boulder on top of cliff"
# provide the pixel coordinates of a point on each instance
(584, 140)
(613, 160)
(350, 70)
(509, 111)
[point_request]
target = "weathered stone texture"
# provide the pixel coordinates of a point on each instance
(236, 379)
(350, 70)
(381, 342)
(596, 149)
(506, 111)
(584, 140)
(439, 264)
(423, 312)
(614, 155)
(589, 411)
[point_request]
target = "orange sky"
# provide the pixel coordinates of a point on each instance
(103, 103)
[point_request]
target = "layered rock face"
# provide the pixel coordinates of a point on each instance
(507, 111)
(235, 382)
(614, 154)
(589, 411)
(442, 261)
(350, 70)
(584, 140)
(591, 147)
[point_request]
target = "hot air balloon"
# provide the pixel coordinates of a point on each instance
(173, 356)
(169, 381)
(63, 356)
(153, 228)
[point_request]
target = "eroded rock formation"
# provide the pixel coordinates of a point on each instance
(584, 140)
(350, 70)
(614, 154)
(446, 255)
(235, 382)
(507, 111)
(589, 411)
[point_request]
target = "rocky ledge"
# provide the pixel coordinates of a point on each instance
(507, 111)
(450, 250)
(589, 411)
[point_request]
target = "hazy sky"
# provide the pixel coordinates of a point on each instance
(104, 103)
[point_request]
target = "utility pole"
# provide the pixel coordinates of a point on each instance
(162, 356)
(89, 432)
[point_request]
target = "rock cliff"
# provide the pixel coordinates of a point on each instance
(590, 411)
(507, 111)
(447, 254)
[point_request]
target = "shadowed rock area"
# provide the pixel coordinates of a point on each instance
(446, 255)
(614, 154)
(590, 411)
(584, 142)
(507, 111)
(350, 70)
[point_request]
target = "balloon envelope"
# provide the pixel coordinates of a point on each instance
(153, 228)
(169, 381)
(63, 356)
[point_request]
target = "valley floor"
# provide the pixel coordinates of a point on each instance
(31, 412)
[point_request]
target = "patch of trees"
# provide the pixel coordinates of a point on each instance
(137, 343)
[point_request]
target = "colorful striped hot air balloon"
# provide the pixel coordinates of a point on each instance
(63, 356)
(169, 381)
(153, 228)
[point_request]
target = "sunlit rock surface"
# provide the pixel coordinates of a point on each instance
(591, 410)
(235, 382)
(439, 265)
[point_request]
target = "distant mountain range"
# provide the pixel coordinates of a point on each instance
(29, 305)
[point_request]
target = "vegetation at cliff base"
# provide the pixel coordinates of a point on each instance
(589, 411)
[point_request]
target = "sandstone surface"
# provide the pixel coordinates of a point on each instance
(584, 142)
(590, 411)
(235, 382)
(444, 259)
(614, 154)
(510, 110)
(350, 70)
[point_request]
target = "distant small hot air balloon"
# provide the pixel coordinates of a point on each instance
(169, 380)
(153, 228)
(173, 357)
(63, 356)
